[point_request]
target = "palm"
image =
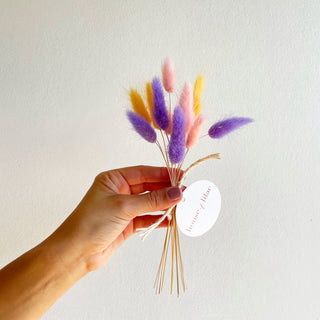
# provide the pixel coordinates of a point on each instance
(114, 223)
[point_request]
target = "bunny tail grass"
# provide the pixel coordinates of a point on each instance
(142, 127)
(138, 105)
(150, 102)
(197, 92)
(195, 131)
(224, 127)
(177, 140)
(168, 76)
(159, 113)
(186, 103)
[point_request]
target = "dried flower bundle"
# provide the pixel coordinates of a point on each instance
(175, 130)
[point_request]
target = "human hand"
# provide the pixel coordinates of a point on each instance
(108, 214)
(104, 219)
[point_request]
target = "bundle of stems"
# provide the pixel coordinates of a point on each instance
(172, 233)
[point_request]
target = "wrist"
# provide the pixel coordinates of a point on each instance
(61, 250)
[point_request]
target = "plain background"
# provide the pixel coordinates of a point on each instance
(65, 68)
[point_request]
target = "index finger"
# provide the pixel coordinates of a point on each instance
(142, 174)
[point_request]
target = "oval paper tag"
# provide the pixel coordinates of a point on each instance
(199, 208)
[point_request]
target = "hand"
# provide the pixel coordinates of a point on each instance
(108, 214)
(104, 219)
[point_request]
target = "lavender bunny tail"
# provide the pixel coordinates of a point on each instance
(224, 127)
(142, 126)
(159, 112)
(177, 140)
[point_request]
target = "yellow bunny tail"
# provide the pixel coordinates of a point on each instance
(197, 91)
(150, 102)
(138, 105)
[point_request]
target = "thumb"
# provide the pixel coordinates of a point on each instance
(156, 200)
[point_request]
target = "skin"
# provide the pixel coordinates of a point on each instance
(107, 215)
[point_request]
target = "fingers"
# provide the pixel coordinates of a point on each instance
(143, 187)
(156, 200)
(142, 174)
(147, 220)
(120, 180)
(133, 180)
(140, 188)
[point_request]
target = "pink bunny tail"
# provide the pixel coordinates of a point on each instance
(195, 131)
(168, 76)
(186, 103)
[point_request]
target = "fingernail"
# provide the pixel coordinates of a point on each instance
(174, 193)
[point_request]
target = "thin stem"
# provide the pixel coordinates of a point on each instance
(166, 153)
(165, 160)
(167, 137)
(164, 262)
(175, 174)
(163, 252)
(172, 259)
(181, 163)
(160, 148)
(175, 246)
(164, 145)
(181, 264)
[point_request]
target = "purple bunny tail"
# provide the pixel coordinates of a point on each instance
(177, 140)
(159, 112)
(142, 126)
(224, 127)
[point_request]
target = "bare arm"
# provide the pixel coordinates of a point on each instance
(32, 283)
(104, 219)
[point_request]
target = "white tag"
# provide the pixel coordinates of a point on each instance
(199, 209)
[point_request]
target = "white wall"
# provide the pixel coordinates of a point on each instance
(64, 70)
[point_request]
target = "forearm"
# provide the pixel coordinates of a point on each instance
(31, 284)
